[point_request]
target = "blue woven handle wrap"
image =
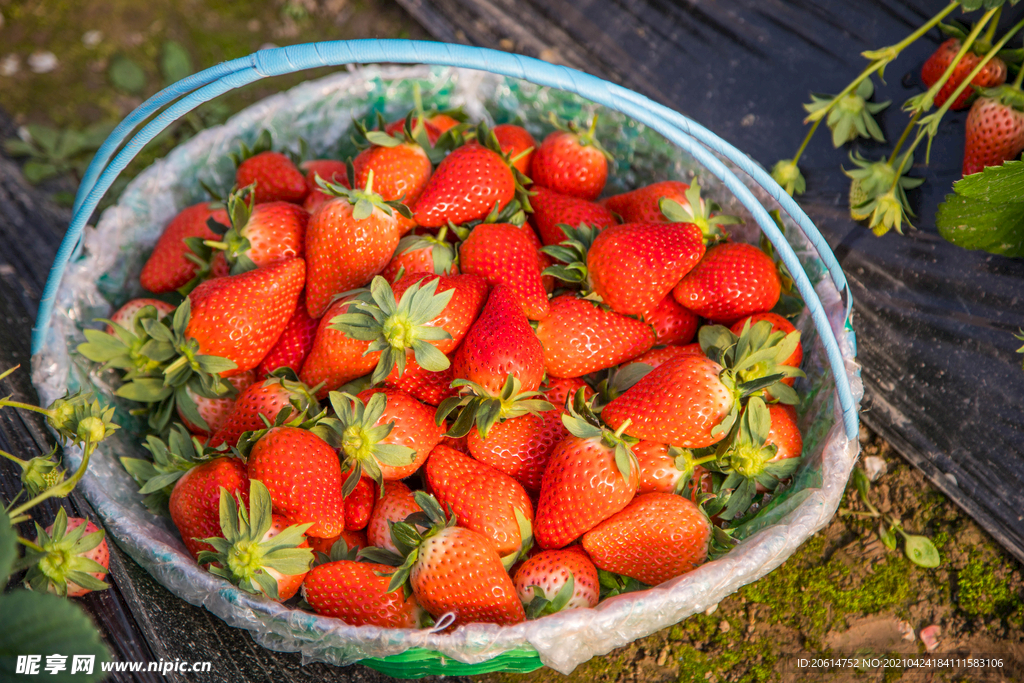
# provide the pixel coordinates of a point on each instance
(189, 93)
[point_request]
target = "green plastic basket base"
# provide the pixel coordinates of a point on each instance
(420, 662)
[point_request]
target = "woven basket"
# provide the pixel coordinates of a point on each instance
(97, 269)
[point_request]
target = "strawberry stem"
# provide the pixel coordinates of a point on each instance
(29, 544)
(62, 489)
(807, 139)
(707, 458)
(1020, 76)
(991, 32)
(903, 138)
(924, 102)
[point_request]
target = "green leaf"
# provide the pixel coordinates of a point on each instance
(921, 551)
(43, 624)
(986, 211)
(38, 171)
(126, 75)
(175, 62)
(8, 547)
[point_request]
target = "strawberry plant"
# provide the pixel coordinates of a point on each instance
(69, 558)
(971, 65)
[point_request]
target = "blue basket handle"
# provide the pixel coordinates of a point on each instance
(187, 94)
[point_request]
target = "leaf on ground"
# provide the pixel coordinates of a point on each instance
(175, 62)
(986, 211)
(8, 547)
(126, 75)
(45, 624)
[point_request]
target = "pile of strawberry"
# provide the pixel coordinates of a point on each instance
(444, 381)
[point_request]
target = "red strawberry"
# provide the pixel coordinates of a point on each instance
(680, 402)
(656, 537)
(643, 205)
(456, 570)
(500, 343)
(357, 593)
(502, 253)
(520, 446)
(275, 176)
(517, 142)
(256, 550)
(353, 539)
(348, 241)
(359, 505)
(633, 266)
(571, 162)
(335, 172)
(267, 398)
(993, 73)
(336, 359)
(167, 268)
(75, 559)
(470, 294)
(126, 315)
(400, 171)
(216, 411)
(785, 434)
(482, 498)
(423, 385)
(241, 317)
(660, 355)
(303, 476)
(994, 129)
(547, 573)
(467, 185)
(658, 470)
(672, 323)
(592, 474)
(394, 505)
(732, 281)
(261, 234)
(551, 209)
(580, 337)
(195, 500)
(294, 344)
(422, 253)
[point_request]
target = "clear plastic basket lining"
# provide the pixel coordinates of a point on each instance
(104, 274)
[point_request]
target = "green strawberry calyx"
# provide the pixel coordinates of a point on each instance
(365, 201)
(233, 241)
(851, 115)
(787, 174)
(707, 215)
(264, 143)
(582, 422)
(571, 258)
(241, 555)
(442, 252)
(477, 406)
(752, 364)
(396, 327)
(171, 460)
(164, 368)
(38, 474)
(59, 560)
(541, 606)
(872, 180)
(356, 433)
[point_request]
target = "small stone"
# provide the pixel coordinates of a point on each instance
(10, 65)
(930, 636)
(506, 44)
(42, 62)
(92, 38)
(268, 46)
(724, 626)
(708, 675)
(711, 610)
(874, 467)
(865, 434)
(748, 120)
(906, 630)
(663, 655)
(253, 25)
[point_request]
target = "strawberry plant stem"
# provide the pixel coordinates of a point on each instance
(929, 125)
(29, 544)
(1019, 78)
(880, 58)
(903, 138)
(62, 489)
(708, 458)
(924, 102)
(7, 403)
(991, 32)
(807, 138)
